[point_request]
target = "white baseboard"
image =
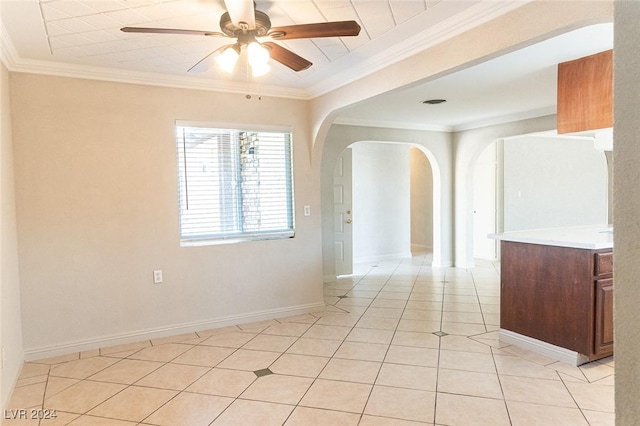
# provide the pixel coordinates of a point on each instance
(441, 264)
(543, 348)
(468, 265)
(383, 257)
(329, 279)
(172, 330)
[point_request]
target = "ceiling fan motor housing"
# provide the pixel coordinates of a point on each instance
(263, 25)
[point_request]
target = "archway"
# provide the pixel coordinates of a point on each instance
(434, 146)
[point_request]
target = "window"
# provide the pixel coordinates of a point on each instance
(234, 184)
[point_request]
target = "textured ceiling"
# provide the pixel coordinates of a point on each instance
(86, 33)
(83, 38)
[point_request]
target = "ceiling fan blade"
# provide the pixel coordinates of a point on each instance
(171, 31)
(241, 11)
(287, 57)
(322, 29)
(208, 61)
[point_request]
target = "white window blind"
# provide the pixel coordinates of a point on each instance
(234, 184)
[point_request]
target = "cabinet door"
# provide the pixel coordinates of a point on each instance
(604, 317)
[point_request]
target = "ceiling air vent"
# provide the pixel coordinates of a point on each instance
(434, 101)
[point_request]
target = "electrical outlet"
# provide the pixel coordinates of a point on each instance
(157, 276)
(307, 210)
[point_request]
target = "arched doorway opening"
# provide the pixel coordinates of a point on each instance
(384, 204)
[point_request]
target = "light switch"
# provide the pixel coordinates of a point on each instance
(307, 210)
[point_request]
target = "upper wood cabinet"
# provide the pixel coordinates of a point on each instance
(585, 93)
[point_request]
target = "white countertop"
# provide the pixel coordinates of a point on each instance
(593, 237)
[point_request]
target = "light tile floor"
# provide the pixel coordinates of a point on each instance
(400, 343)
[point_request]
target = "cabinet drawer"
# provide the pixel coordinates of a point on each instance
(603, 263)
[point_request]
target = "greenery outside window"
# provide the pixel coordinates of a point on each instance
(234, 184)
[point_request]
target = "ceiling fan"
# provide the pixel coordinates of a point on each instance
(246, 24)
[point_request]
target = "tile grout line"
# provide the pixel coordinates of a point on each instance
(236, 398)
(388, 347)
(435, 399)
(401, 271)
(330, 358)
(495, 366)
(572, 397)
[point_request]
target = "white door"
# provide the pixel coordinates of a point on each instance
(484, 204)
(342, 214)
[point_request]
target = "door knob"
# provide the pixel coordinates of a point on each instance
(349, 221)
(348, 211)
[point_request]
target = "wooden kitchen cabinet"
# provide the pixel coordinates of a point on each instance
(604, 318)
(603, 272)
(585, 93)
(559, 295)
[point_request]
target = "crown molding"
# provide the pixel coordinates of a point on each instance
(150, 79)
(15, 63)
(391, 125)
(507, 118)
(457, 24)
(7, 51)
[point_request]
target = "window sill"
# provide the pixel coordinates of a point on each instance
(235, 240)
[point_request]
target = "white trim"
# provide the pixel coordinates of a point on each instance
(152, 79)
(236, 126)
(450, 27)
(459, 23)
(14, 63)
(543, 348)
(465, 265)
(242, 238)
(441, 264)
(346, 121)
(329, 278)
(489, 259)
(170, 330)
(383, 257)
(508, 118)
(7, 50)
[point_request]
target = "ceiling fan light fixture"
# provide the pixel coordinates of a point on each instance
(228, 58)
(259, 70)
(258, 56)
(244, 23)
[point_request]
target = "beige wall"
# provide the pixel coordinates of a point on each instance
(552, 182)
(421, 199)
(95, 168)
(10, 320)
(381, 201)
(436, 146)
(531, 23)
(98, 212)
(526, 25)
(626, 162)
(469, 144)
